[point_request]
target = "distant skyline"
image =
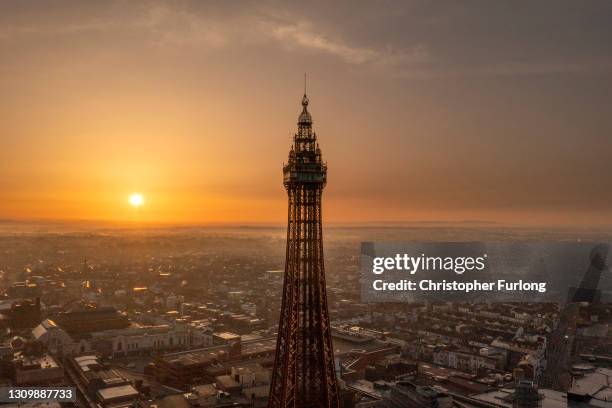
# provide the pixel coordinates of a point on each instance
(425, 111)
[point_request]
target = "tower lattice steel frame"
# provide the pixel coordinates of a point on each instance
(304, 374)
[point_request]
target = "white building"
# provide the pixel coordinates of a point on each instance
(201, 335)
(467, 362)
(250, 375)
(139, 339)
(57, 341)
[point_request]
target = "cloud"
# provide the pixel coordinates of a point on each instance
(545, 67)
(172, 27)
(397, 61)
(301, 35)
(184, 25)
(160, 23)
(176, 28)
(13, 32)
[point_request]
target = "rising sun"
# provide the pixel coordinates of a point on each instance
(136, 200)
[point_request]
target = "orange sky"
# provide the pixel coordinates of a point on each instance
(423, 112)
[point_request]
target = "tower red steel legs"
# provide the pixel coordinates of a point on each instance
(304, 374)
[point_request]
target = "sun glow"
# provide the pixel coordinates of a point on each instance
(136, 200)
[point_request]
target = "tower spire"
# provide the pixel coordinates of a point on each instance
(304, 373)
(305, 120)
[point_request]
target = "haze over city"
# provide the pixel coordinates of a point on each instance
(425, 111)
(258, 204)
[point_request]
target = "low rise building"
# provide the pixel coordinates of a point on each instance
(36, 370)
(99, 382)
(136, 340)
(57, 341)
(88, 319)
(405, 394)
(467, 361)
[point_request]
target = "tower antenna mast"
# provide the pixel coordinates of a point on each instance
(304, 373)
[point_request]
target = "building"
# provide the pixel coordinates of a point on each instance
(99, 382)
(57, 341)
(90, 319)
(188, 368)
(183, 370)
(304, 370)
(36, 370)
(406, 394)
(119, 394)
(20, 313)
(137, 340)
(200, 334)
(232, 341)
(24, 290)
(250, 375)
(250, 381)
(466, 361)
(523, 353)
(203, 396)
(526, 395)
(391, 368)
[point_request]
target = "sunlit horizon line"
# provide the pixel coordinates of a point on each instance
(431, 223)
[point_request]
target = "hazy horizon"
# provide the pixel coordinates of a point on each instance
(415, 230)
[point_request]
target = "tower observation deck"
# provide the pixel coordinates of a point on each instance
(304, 374)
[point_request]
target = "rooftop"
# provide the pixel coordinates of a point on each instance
(118, 392)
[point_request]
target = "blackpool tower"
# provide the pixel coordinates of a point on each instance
(304, 374)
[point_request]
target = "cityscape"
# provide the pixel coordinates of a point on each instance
(171, 236)
(190, 318)
(197, 317)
